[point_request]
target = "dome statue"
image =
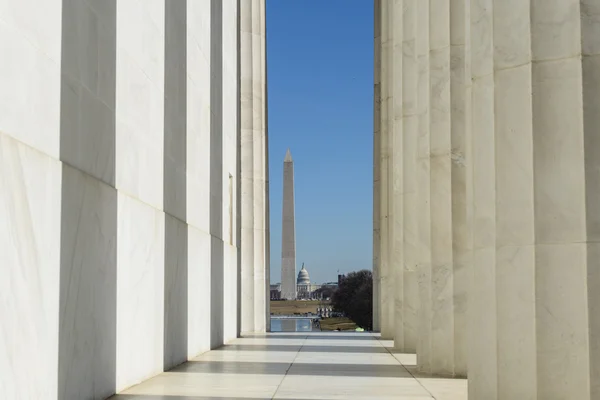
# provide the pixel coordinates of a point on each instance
(303, 278)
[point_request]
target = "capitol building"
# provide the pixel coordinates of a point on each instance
(304, 289)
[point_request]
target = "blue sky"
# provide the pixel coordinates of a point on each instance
(320, 81)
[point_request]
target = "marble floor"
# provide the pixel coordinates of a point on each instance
(300, 366)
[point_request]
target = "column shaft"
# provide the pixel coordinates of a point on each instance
(267, 211)
(515, 253)
(461, 174)
(442, 322)
(482, 295)
(258, 145)
(377, 166)
(410, 75)
(394, 19)
(247, 167)
(590, 22)
(386, 273)
(559, 198)
(423, 177)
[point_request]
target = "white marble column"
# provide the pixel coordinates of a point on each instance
(377, 167)
(423, 177)
(143, 120)
(410, 76)
(590, 23)
(559, 198)
(267, 211)
(258, 64)
(442, 291)
(515, 252)
(247, 166)
(386, 116)
(462, 187)
(393, 25)
(482, 363)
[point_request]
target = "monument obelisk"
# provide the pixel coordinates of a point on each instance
(288, 232)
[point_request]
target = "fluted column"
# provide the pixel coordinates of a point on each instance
(482, 295)
(462, 187)
(385, 182)
(590, 11)
(377, 167)
(442, 319)
(406, 327)
(423, 177)
(267, 211)
(247, 167)
(514, 183)
(559, 200)
(258, 64)
(393, 25)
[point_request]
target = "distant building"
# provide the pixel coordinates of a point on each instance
(304, 289)
(275, 290)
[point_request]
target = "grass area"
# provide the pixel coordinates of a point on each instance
(331, 324)
(290, 307)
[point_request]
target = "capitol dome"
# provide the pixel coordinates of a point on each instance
(303, 278)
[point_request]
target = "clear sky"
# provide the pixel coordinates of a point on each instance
(320, 82)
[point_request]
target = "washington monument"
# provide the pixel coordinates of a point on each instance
(288, 232)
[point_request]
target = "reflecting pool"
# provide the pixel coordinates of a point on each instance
(292, 325)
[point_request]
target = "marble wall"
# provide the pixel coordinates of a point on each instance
(119, 190)
(505, 191)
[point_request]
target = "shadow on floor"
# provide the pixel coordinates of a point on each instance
(302, 349)
(305, 369)
(315, 337)
(169, 397)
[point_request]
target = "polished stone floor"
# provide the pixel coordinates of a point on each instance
(301, 366)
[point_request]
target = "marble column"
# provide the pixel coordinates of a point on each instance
(482, 295)
(386, 124)
(423, 177)
(258, 65)
(590, 23)
(247, 165)
(406, 339)
(461, 174)
(393, 25)
(442, 302)
(377, 167)
(514, 205)
(561, 258)
(267, 211)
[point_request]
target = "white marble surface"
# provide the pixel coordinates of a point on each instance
(140, 291)
(247, 167)
(88, 284)
(410, 81)
(386, 125)
(423, 191)
(259, 126)
(442, 286)
(198, 122)
(30, 208)
(293, 366)
(88, 87)
(140, 100)
(483, 357)
(377, 171)
(175, 292)
(199, 294)
(30, 42)
(462, 180)
(230, 168)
